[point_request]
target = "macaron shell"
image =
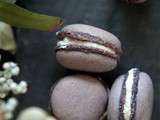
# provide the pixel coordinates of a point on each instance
(93, 31)
(144, 101)
(114, 97)
(145, 98)
(85, 62)
(78, 97)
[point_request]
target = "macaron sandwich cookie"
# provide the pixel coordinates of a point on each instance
(87, 48)
(134, 1)
(78, 97)
(131, 97)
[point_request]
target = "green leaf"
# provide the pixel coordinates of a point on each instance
(10, 1)
(7, 41)
(19, 17)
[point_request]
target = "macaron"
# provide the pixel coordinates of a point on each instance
(131, 97)
(87, 48)
(78, 97)
(134, 1)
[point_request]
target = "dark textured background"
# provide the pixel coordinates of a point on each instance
(137, 27)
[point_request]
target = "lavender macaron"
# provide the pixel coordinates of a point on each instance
(78, 97)
(131, 97)
(134, 1)
(87, 48)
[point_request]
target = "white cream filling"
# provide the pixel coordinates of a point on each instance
(68, 41)
(128, 100)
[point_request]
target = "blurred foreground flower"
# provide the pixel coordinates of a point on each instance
(7, 41)
(7, 84)
(34, 113)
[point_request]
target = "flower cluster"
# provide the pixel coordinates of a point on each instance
(7, 84)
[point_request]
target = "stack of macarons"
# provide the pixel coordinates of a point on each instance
(83, 97)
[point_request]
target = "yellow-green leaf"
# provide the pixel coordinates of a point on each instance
(10, 1)
(20, 17)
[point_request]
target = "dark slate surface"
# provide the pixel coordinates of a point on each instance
(137, 27)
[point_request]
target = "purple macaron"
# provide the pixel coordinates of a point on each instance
(79, 97)
(87, 48)
(131, 97)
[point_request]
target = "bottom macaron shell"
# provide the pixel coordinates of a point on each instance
(78, 97)
(144, 101)
(90, 62)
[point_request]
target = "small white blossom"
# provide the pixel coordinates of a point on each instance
(6, 66)
(19, 89)
(2, 80)
(3, 95)
(12, 64)
(10, 108)
(13, 86)
(15, 71)
(23, 84)
(24, 90)
(7, 74)
(12, 101)
(5, 87)
(9, 81)
(8, 115)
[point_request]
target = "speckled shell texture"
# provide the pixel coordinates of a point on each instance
(134, 1)
(90, 62)
(85, 62)
(144, 98)
(78, 97)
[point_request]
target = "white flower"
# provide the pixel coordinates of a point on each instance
(12, 64)
(13, 86)
(19, 89)
(2, 80)
(15, 71)
(8, 115)
(12, 101)
(23, 84)
(6, 66)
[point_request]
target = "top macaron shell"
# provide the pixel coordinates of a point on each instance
(78, 97)
(93, 31)
(90, 61)
(144, 99)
